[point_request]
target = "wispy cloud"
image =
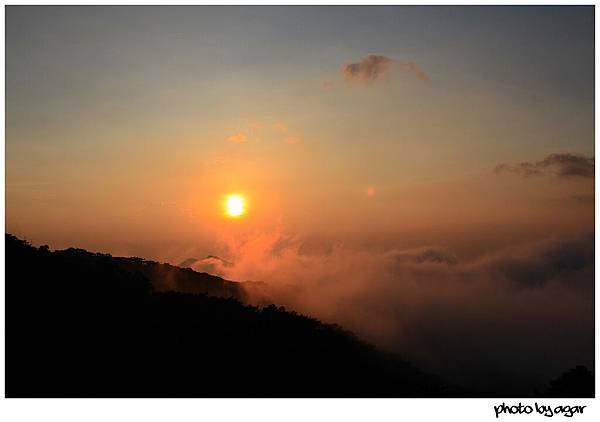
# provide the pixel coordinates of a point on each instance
(280, 126)
(373, 67)
(566, 165)
(238, 138)
(292, 140)
(287, 136)
(284, 129)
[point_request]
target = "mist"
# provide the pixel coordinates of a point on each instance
(517, 316)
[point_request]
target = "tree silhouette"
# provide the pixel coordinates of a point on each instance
(576, 382)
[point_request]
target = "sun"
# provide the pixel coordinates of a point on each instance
(235, 206)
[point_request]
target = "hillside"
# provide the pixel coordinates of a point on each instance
(80, 324)
(166, 277)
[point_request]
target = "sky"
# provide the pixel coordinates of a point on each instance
(461, 138)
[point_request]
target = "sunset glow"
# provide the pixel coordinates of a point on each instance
(235, 206)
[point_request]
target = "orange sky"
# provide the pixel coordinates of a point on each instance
(126, 141)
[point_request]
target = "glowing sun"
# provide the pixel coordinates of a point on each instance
(235, 206)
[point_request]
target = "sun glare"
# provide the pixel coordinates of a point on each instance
(235, 206)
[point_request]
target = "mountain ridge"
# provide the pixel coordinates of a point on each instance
(81, 324)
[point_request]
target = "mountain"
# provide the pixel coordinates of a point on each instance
(81, 324)
(166, 277)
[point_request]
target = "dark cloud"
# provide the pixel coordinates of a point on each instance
(583, 199)
(372, 67)
(567, 261)
(561, 164)
(426, 256)
(569, 257)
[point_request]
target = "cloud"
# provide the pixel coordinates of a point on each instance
(292, 140)
(568, 261)
(566, 165)
(479, 321)
(284, 129)
(413, 68)
(328, 83)
(368, 68)
(187, 263)
(583, 199)
(427, 255)
(372, 67)
(206, 264)
(280, 126)
(238, 138)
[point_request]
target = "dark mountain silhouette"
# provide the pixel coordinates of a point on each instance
(82, 324)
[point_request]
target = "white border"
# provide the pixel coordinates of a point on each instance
(303, 3)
